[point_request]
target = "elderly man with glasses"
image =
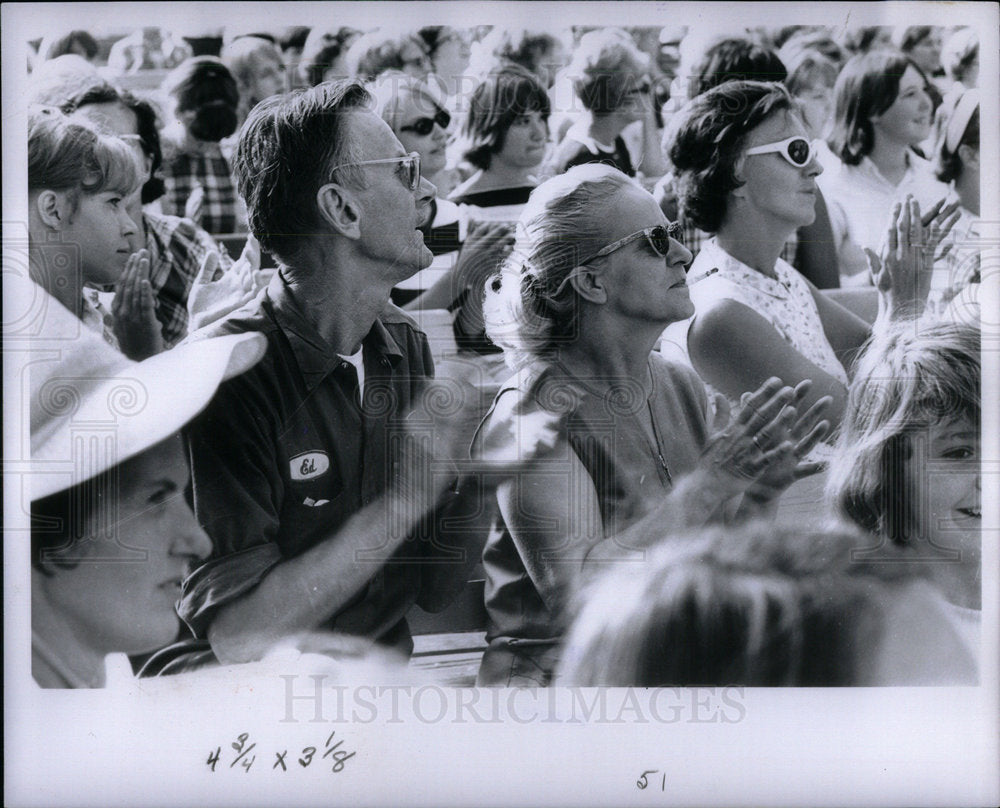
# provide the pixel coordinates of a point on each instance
(295, 471)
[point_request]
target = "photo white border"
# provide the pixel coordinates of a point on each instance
(147, 746)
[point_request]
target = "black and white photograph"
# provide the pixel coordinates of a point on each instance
(487, 403)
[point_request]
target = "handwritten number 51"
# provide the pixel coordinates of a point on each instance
(643, 782)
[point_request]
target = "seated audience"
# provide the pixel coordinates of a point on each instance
(542, 53)
(383, 49)
(907, 467)
(324, 55)
(177, 247)
(53, 82)
(149, 48)
(258, 68)
(578, 308)
(449, 52)
(198, 175)
(612, 82)
(111, 542)
(881, 111)
(80, 236)
(755, 317)
(761, 606)
(79, 42)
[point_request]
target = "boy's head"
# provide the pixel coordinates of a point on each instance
(77, 182)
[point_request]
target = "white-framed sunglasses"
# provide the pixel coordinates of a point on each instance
(796, 150)
(411, 162)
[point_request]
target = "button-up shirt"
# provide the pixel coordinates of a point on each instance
(288, 451)
(177, 247)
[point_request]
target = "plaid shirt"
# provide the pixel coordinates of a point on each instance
(177, 247)
(209, 169)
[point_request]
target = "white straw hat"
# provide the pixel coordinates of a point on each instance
(92, 407)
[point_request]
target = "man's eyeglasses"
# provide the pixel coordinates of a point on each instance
(796, 150)
(409, 162)
(658, 237)
(423, 126)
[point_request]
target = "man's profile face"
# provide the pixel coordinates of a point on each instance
(390, 212)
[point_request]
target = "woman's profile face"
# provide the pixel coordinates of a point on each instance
(451, 57)
(121, 594)
(525, 141)
(431, 147)
(773, 187)
(945, 479)
(927, 52)
(816, 105)
(908, 119)
(641, 284)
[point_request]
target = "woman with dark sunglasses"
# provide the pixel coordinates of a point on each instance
(746, 171)
(579, 305)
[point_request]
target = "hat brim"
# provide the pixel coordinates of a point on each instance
(144, 403)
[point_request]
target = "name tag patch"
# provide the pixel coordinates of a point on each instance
(309, 465)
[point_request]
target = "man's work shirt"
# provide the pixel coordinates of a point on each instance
(287, 452)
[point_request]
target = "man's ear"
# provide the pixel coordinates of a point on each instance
(53, 209)
(340, 209)
(589, 284)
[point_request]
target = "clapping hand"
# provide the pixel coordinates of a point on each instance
(195, 205)
(804, 433)
(743, 447)
(902, 274)
(136, 328)
(215, 293)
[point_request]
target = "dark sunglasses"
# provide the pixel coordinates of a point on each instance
(423, 126)
(658, 237)
(796, 150)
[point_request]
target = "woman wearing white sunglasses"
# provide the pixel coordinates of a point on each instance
(594, 278)
(746, 171)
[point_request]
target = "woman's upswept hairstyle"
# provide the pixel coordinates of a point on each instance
(494, 106)
(65, 155)
(598, 72)
(287, 148)
(808, 69)
(867, 86)
(530, 306)
(911, 376)
(148, 124)
(204, 85)
(759, 605)
(706, 142)
(373, 53)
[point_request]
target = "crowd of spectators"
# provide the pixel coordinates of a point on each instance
(682, 278)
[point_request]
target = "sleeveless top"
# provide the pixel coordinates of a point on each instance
(604, 429)
(786, 303)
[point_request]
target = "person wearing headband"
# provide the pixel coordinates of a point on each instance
(111, 534)
(595, 276)
(755, 316)
(956, 162)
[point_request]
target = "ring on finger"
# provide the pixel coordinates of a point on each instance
(756, 442)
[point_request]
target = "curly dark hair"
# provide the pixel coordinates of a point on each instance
(706, 144)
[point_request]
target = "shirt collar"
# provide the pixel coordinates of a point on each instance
(716, 258)
(316, 359)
